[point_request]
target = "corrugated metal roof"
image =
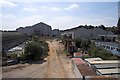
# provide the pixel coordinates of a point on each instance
(93, 59)
(102, 66)
(109, 71)
(104, 62)
(110, 43)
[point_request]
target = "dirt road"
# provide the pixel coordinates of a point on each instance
(55, 66)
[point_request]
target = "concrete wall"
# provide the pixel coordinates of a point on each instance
(76, 71)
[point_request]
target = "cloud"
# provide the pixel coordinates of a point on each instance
(30, 9)
(63, 22)
(71, 7)
(66, 22)
(49, 8)
(4, 3)
(29, 20)
(44, 9)
(55, 9)
(11, 22)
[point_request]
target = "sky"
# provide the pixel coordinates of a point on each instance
(59, 15)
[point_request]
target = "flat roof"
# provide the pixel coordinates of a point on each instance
(86, 70)
(109, 71)
(78, 61)
(108, 65)
(104, 62)
(93, 59)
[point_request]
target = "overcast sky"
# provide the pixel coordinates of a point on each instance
(60, 15)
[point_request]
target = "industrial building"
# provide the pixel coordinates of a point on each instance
(112, 47)
(95, 69)
(40, 29)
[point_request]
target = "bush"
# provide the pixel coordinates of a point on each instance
(78, 43)
(33, 50)
(100, 52)
(83, 44)
(35, 38)
(45, 47)
(67, 53)
(22, 57)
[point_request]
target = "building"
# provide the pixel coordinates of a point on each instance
(104, 67)
(95, 69)
(84, 33)
(56, 33)
(40, 29)
(114, 48)
(27, 30)
(109, 38)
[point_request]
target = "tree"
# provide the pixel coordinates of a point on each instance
(102, 27)
(35, 38)
(78, 43)
(112, 29)
(104, 54)
(99, 52)
(85, 44)
(90, 27)
(33, 50)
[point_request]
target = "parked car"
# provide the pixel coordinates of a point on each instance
(11, 62)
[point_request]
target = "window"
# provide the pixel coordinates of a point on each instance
(116, 49)
(112, 48)
(104, 46)
(119, 50)
(108, 47)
